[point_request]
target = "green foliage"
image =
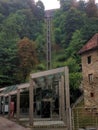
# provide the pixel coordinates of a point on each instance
(58, 57)
(57, 33)
(8, 62)
(75, 45)
(41, 67)
(74, 21)
(90, 28)
(81, 5)
(17, 20)
(66, 4)
(73, 66)
(41, 9)
(91, 9)
(75, 82)
(66, 22)
(58, 21)
(73, 24)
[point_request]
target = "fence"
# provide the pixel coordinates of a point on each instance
(85, 118)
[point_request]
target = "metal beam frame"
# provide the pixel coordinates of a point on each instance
(48, 72)
(64, 86)
(66, 94)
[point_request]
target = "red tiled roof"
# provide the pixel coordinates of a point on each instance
(90, 45)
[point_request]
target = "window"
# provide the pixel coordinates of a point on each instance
(92, 94)
(89, 59)
(90, 78)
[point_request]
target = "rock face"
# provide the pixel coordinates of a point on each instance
(89, 57)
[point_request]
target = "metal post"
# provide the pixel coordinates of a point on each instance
(60, 100)
(67, 91)
(73, 127)
(3, 105)
(63, 99)
(9, 100)
(0, 105)
(77, 120)
(31, 101)
(18, 104)
(51, 116)
(48, 22)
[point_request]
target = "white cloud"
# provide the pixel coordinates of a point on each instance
(50, 4)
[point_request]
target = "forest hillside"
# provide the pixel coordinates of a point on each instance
(23, 39)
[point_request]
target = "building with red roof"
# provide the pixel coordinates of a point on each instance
(92, 44)
(89, 59)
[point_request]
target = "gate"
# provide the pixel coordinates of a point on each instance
(85, 118)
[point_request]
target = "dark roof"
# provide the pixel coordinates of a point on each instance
(50, 13)
(10, 89)
(13, 88)
(92, 44)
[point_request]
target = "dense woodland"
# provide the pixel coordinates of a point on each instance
(23, 38)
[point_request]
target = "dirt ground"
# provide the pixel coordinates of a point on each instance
(6, 124)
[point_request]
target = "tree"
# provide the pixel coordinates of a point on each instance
(75, 45)
(75, 82)
(81, 5)
(18, 19)
(72, 64)
(41, 48)
(61, 3)
(91, 9)
(90, 28)
(8, 61)
(74, 20)
(67, 4)
(41, 9)
(27, 57)
(58, 22)
(75, 78)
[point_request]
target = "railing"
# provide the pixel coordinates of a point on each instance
(78, 101)
(85, 118)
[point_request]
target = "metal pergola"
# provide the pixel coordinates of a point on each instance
(52, 84)
(64, 95)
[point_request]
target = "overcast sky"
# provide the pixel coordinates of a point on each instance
(51, 4)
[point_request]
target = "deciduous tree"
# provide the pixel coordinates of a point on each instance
(27, 57)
